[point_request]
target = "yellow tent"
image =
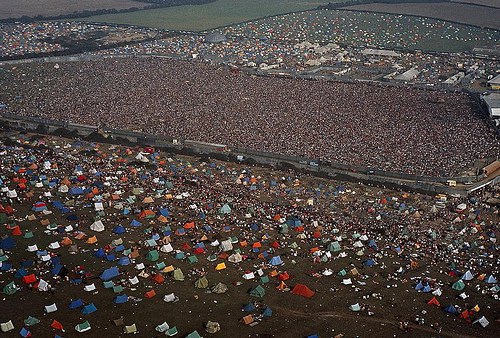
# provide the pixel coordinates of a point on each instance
(220, 266)
(169, 196)
(169, 268)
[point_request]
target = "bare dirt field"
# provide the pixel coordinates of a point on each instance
(467, 14)
(19, 8)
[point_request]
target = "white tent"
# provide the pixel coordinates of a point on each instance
(11, 194)
(32, 248)
(43, 285)
(98, 206)
(63, 188)
(51, 308)
(482, 321)
(45, 258)
(7, 326)
(347, 281)
(170, 298)
(226, 245)
(235, 258)
(355, 307)
(97, 226)
(162, 327)
(89, 288)
(133, 280)
(54, 245)
(467, 276)
(166, 248)
(140, 266)
(215, 243)
(249, 275)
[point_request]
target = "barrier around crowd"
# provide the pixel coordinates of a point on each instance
(325, 169)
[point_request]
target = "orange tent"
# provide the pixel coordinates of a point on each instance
(273, 273)
(277, 217)
(66, 241)
(189, 225)
(146, 213)
(223, 255)
(92, 240)
(162, 219)
(256, 245)
(134, 253)
(150, 294)
(248, 319)
(243, 244)
(80, 235)
(302, 290)
(434, 301)
(282, 286)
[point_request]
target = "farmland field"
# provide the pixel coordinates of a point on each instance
(202, 17)
(491, 3)
(31, 8)
(463, 13)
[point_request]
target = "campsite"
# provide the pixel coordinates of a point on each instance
(107, 240)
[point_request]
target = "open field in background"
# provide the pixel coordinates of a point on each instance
(19, 8)
(203, 17)
(467, 14)
(366, 29)
(492, 3)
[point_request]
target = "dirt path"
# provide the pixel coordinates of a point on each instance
(333, 314)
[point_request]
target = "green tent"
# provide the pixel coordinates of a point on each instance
(169, 185)
(458, 285)
(10, 289)
(226, 209)
(30, 321)
(342, 273)
(171, 332)
(258, 291)
(85, 326)
(28, 234)
(153, 256)
(178, 275)
(334, 247)
(201, 283)
(264, 279)
(193, 334)
(3, 258)
(294, 245)
(117, 289)
(160, 266)
(193, 259)
(108, 284)
(284, 229)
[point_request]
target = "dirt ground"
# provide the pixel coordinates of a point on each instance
(325, 314)
(32, 8)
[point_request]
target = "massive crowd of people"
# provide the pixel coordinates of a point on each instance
(397, 129)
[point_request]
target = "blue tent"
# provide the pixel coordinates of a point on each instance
(120, 299)
(109, 274)
(76, 191)
(267, 312)
(249, 307)
(427, 288)
(276, 260)
(39, 206)
(110, 257)
(126, 211)
(100, 253)
(76, 304)
(135, 223)
(369, 262)
(88, 309)
(202, 215)
(254, 226)
(419, 286)
(72, 217)
(165, 212)
(21, 273)
(119, 230)
(7, 243)
(124, 261)
(27, 263)
(6, 266)
(120, 248)
(56, 269)
(451, 309)
(25, 333)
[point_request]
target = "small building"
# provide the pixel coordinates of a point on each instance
(494, 83)
(409, 75)
(492, 102)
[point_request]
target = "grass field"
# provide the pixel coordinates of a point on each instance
(203, 17)
(18, 8)
(467, 14)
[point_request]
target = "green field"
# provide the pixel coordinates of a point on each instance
(203, 17)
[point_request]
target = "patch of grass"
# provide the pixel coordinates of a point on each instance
(203, 17)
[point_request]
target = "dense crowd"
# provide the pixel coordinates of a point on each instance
(391, 128)
(198, 205)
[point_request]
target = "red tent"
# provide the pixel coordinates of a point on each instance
(189, 225)
(185, 246)
(303, 290)
(434, 301)
(29, 279)
(275, 245)
(199, 251)
(56, 325)
(284, 276)
(16, 231)
(150, 294)
(159, 279)
(465, 315)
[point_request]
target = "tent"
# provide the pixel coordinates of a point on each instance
(75, 304)
(276, 260)
(150, 294)
(249, 307)
(10, 289)
(491, 280)
(258, 291)
(30, 321)
(219, 288)
(355, 307)
(226, 209)
(83, 327)
(153, 255)
(201, 283)
(162, 327)
(482, 321)
(118, 230)
(434, 301)
(29, 279)
(88, 309)
(268, 312)
(178, 274)
(130, 329)
(458, 285)
(56, 325)
(97, 226)
(7, 326)
(334, 247)
(170, 298)
(220, 266)
(109, 274)
(302, 290)
(212, 327)
(51, 308)
(451, 309)
(25, 333)
(467, 276)
(193, 334)
(120, 299)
